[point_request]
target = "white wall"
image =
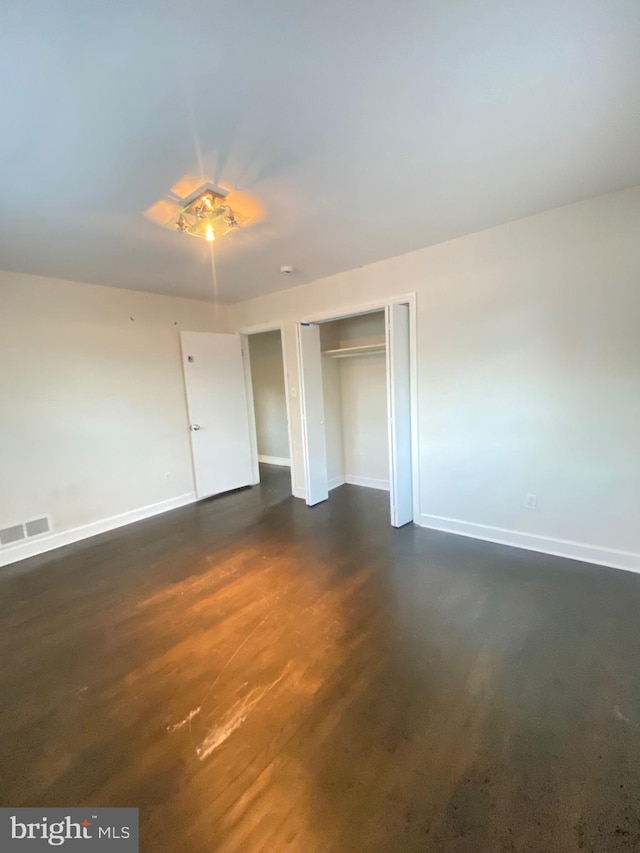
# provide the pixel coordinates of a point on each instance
(357, 331)
(528, 374)
(355, 404)
(93, 413)
(363, 382)
(270, 405)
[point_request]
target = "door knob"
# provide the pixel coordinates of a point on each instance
(195, 427)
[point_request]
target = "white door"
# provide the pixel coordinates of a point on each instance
(217, 403)
(399, 403)
(312, 401)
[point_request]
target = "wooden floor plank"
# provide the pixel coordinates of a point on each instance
(256, 676)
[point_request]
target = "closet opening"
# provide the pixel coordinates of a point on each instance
(357, 412)
(354, 384)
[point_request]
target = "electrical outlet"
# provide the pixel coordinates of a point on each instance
(531, 501)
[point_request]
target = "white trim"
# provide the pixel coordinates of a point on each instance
(531, 542)
(260, 327)
(342, 313)
(334, 482)
(300, 493)
(415, 421)
(367, 482)
(303, 416)
(275, 460)
(40, 545)
(287, 403)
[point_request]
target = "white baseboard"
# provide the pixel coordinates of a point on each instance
(300, 493)
(275, 460)
(336, 481)
(32, 547)
(340, 480)
(531, 542)
(367, 482)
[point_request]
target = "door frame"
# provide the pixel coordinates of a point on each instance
(409, 299)
(245, 333)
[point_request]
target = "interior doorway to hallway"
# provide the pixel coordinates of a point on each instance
(268, 391)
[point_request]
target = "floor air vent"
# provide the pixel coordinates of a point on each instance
(18, 532)
(37, 526)
(9, 535)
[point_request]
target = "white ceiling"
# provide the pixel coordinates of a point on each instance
(365, 129)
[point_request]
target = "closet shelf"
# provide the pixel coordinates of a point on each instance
(346, 352)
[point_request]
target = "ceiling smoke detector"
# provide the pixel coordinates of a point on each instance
(286, 270)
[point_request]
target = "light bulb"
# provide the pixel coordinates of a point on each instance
(210, 236)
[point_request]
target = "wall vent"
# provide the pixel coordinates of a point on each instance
(37, 526)
(18, 532)
(9, 535)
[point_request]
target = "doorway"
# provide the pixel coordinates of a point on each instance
(354, 384)
(357, 405)
(268, 392)
(238, 416)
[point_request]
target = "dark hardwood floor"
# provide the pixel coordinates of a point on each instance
(260, 676)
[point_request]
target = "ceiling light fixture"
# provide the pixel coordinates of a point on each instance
(208, 215)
